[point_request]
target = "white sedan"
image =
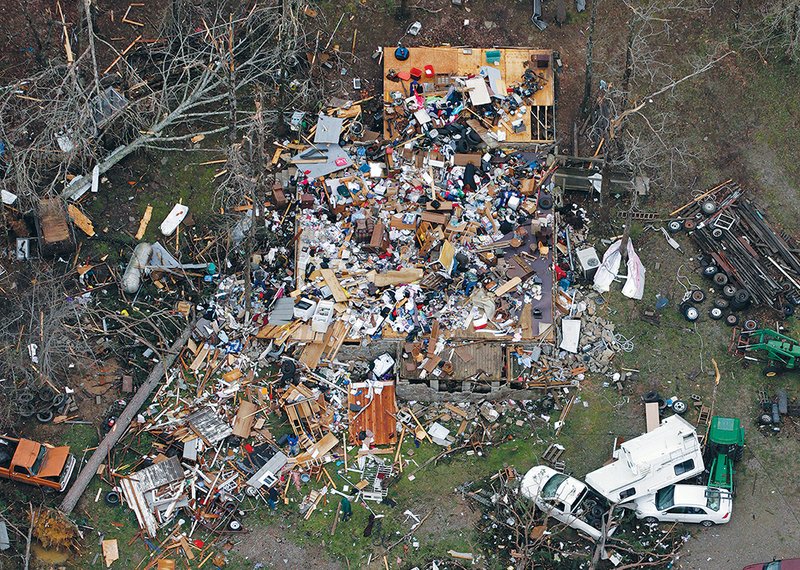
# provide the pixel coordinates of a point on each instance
(688, 504)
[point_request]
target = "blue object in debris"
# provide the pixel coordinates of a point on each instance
(401, 53)
(661, 302)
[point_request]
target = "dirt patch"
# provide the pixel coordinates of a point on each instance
(273, 547)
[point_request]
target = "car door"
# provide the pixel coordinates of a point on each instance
(673, 514)
(696, 515)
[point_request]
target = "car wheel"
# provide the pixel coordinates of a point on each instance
(674, 226)
(729, 291)
(650, 520)
(715, 313)
(680, 407)
(720, 278)
(698, 296)
(710, 271)
(731, 320)
(721, 303)
(707, 523)
(691, 313)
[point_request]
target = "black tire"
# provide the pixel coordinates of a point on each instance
(710, 271)
(112, 499)
(651, 396)
(717, 233)
(698, 296)
(738, 455)
(674, 226)
(545, 202)
(46, 394)
(650, 520)
(691, 313)
(772, 370)
(715, 313)
(707, 523)
(732, 320)
(680, 407)
(750, 325)
(729, 291)
(708, 207)
(59, 400)
(721, 279)
(25, 410)
(741, 299)
(25, 396)
(788, 310)
(45, 416)
(721, 303)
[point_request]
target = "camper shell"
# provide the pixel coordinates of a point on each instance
(667, 455)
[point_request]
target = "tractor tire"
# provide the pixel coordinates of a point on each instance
(738, 455)
(721, 279)
(674, 226)
(698, 296)
(732, 320)
(710, 271)
(715, 313)
(721, 303)
(772, 370)
(679, 407)
(729, 291)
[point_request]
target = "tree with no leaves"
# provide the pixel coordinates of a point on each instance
(68, 119)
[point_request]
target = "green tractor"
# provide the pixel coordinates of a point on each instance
(783, 353)
(724, 447)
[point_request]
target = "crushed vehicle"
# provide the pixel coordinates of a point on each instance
(566, 499)
(643, 465)
(687, 504)
(34, 463)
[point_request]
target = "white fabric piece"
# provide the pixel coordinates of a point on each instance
(609, 270)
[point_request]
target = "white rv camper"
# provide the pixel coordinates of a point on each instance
(643, 465)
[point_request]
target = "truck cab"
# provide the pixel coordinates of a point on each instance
(34, 463)
(566, 499)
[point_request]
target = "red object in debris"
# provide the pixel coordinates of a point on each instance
(248, 448)
(416, 73)
(429, 73)
(403, 75)
(341, 161)
(199, 543)
(560, 273)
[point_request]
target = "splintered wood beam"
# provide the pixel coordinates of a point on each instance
(67, 45)
(121, 55)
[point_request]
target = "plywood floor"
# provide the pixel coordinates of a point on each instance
(378, 416)
(460, 61)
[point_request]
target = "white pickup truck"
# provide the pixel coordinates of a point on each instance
(566, 499)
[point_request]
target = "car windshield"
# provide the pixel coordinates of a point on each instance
(550, 488)
(39, 459)
(665, 498)
(713, 499)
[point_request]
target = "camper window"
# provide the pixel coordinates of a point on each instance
(682, 468)
(627, 493)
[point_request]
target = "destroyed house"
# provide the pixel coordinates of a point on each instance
(643, 465)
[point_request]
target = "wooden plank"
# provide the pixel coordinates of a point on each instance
(245, 418)
(651, 416)
(339, 294)
(81, 220)
(507, 286)
(148, 213)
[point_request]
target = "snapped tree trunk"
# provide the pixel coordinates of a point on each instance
(589, 78)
